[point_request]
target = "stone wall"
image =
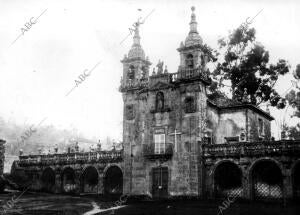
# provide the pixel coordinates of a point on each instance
(253, 125)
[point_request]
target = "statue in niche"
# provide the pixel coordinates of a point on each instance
(160, 66)
(159, 101)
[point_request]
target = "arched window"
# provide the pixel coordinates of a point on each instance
(144, 72)
(130, 74)
(190, 106)
(159, 101)
(190, 61)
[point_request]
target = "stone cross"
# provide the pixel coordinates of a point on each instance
(175, 138)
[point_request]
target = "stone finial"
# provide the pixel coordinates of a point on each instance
(193, 23)
(40, 151)
(56, 148)
(153, 72)
(21, 152)
(245, 98)
(99, 146)
(114, 146)
(160, 66)
(76, 147)
(268, 109)
(166, 69)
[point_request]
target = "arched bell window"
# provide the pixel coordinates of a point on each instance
(190, 61)
(190, 106)
(159, 101)
(130, 73)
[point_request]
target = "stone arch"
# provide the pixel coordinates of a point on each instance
(266, 179)
(68, 180)
(113, 180)
(89, 179)
(227, 179)
(48, 179)
(296, 179)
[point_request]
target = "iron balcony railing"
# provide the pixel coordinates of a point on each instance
(150, 153)
(249, 149)
(188, 74)
(71, 158)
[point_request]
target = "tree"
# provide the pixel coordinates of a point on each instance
(246, 64)
(293, 98)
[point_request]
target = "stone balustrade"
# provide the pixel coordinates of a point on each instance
(134, 84)
(70, 158)
(188, 74)
(250, 149)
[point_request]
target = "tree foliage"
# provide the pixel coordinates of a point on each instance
(293, 99)
(293, 132)
(245, 63)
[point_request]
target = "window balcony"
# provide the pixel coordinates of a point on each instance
(150, 153)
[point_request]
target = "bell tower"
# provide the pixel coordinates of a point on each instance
(135, 80)
(192, 50)
(135, 65)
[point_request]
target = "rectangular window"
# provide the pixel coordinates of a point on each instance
(159, 140)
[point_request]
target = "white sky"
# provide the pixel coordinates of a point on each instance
(40, 68)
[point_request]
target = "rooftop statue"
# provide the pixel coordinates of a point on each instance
(160, 66)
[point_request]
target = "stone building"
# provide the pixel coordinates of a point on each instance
(168, 115)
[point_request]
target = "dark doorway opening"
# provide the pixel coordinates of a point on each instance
(296, 181)
(89, 180)
(160, 182)
(266, 181)
(68, 181)
(228, 180)
(48, 180)
(113, 181)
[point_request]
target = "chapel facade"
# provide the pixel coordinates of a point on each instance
(167, 115)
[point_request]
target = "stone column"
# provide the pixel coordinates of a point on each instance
(100, 183)
(58, 183)
(287, 184)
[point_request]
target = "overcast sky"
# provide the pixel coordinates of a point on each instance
(41, 66)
